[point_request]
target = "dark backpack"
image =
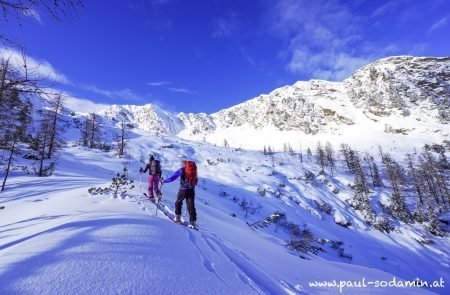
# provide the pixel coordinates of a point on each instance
(155, 167)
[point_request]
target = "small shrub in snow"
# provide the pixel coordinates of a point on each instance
(30, 156)
(382, 223)
(302, 240)
(424, 242)
(249, 208)
(105, 147)
(323, 207)
(339, 247)
(276, 217)
(309, 176)
(261, 191)
(119, 186)
(223, 193)
(23, 168)
(47, 169)
(96, 190)
(343, 222)
(211, 162)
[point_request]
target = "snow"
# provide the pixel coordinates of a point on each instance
(57, 239)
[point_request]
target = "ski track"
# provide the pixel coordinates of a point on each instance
(247, 272)
(207, 263)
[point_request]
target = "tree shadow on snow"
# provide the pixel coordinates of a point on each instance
(83, 230)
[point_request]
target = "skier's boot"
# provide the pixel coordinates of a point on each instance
(191, 224)
(177, 218)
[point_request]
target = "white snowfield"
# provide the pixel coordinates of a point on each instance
(57, 239)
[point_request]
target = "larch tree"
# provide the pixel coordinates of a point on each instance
(320, 157)
(397, 207)
(330, 157)
(56, 130)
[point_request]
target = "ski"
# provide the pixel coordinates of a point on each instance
(194, 228)
(186, 224)
(145, 195)
(157, 203)
(163, 208)
(159, 206)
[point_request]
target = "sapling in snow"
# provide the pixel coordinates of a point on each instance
(120, 184)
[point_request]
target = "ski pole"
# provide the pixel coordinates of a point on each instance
(140, 184)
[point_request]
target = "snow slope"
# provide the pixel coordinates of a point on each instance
(56, 239)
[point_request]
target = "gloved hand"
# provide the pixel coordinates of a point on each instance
(140, 170)
(161, 180)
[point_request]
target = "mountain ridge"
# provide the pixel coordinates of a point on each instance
(393, 95)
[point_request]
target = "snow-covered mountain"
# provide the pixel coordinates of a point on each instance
(392, 99)
(147, 117)
(397, 86)
(394, 86)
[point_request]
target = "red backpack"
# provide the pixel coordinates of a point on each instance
(191, 172)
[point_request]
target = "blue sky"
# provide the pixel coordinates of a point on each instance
(205, 55)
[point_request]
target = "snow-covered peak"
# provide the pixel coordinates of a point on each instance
(398, 85)
(304, 106)
(147, 117)
(197, 123)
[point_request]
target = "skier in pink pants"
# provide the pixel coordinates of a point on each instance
(154, 176)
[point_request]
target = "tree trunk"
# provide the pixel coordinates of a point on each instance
(11, 154)
(93, 131)
(370, 170)
(53, 134)
(122, 139)
(44, 144)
